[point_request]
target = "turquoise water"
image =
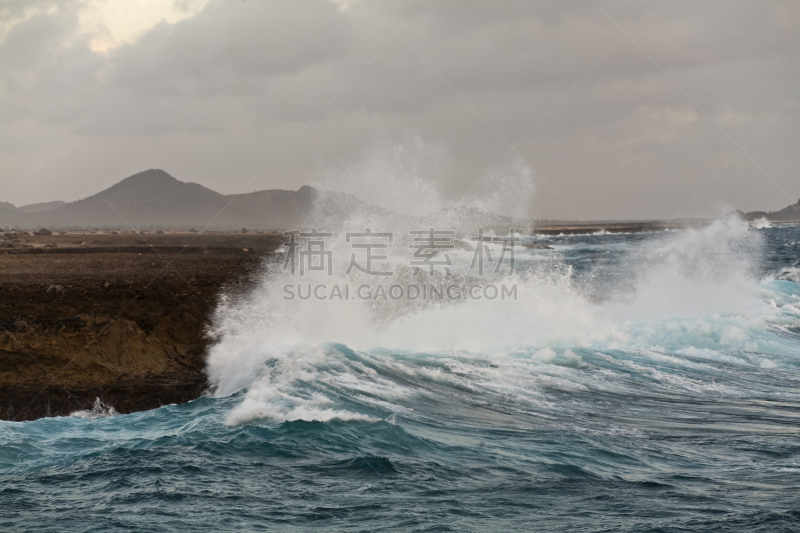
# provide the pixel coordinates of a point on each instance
(640, 413)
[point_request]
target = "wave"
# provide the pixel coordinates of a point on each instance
(761, 223)
(691, 298)
(98, 410)
(579, 315)
(790, 274)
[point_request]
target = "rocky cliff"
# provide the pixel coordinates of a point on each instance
(104, 316)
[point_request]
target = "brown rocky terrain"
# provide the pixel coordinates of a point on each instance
(120, 317)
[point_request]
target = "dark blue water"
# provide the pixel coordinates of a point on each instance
(683, 420)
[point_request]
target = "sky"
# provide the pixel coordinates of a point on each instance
(605, 109)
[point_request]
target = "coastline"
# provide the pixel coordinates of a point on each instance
(87, 316)
(575, 228)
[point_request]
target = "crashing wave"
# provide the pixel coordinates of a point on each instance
(98, 410)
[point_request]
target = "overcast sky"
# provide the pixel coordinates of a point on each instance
(470, 97)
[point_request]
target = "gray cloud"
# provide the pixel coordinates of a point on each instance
(626, 142)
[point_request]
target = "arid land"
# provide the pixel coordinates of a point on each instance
(120, 317)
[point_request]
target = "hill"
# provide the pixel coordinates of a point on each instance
(787, 214)
(154, 199)
(40, 208)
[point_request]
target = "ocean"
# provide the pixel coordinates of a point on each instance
(637, 382)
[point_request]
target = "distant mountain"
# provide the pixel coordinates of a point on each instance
(41, 208)
(7, 208)
(154, 199)
(787, 214)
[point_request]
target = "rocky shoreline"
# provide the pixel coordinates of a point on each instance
(123, 316)
(87, 316)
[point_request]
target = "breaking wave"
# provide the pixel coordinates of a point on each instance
(687, 298)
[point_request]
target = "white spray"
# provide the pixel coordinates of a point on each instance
(271, 343)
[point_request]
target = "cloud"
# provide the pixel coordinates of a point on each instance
(623, 128)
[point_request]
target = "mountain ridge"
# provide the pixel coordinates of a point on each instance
(41, 207)
(153, 198)
(790, 213)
